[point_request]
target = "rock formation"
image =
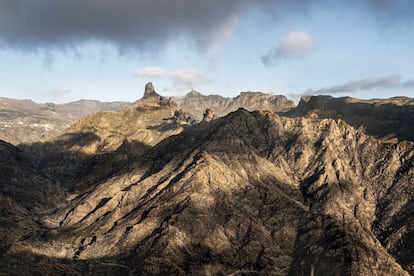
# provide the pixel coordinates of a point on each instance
(150, 91)
(209, 115)
(181, 117)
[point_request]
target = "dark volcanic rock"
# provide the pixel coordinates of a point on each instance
(250, 193)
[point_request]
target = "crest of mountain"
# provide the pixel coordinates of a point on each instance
(388, 119)
(249, 193)
(24, 121)
(196, 103)
(103, 142)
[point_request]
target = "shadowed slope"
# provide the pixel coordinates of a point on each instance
(100, 144)
(24, 193)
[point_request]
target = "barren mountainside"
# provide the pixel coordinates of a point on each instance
(27, 121)
(24, 192)
(249, 193)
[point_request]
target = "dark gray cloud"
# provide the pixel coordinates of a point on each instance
(408, 83)
(296, 43)
(392, 10)
(144, 24)
(34, 24)
(361, 84)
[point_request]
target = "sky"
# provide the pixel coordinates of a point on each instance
(66, 50)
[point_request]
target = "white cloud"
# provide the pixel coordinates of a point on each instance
(296, 43)
(59, 91)
(181, 79)
(187, 78)
(361, 84)
(151, 72)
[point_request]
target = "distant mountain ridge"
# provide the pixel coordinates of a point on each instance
(195, 103)
(23, 121)
(387, 119)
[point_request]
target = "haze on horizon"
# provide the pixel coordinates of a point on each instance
(60, 51)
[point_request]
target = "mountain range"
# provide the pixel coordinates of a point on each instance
(267, 187)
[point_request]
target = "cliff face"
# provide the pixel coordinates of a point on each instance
(248, 193)
(387, 119)
(195, 103)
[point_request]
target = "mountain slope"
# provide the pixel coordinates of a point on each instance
(102, 143)
(245, 194)
(23, 121)
(24, 194)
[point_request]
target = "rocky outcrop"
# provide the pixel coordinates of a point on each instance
(250, 193)
(387, 119)
(209, 115)
(181, 117)
(150, 91)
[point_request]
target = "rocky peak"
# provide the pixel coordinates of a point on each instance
(150, 91)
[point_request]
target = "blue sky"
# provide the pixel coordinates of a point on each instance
(108, 49)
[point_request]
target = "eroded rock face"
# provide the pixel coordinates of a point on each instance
(249, 193)
(150, 91)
